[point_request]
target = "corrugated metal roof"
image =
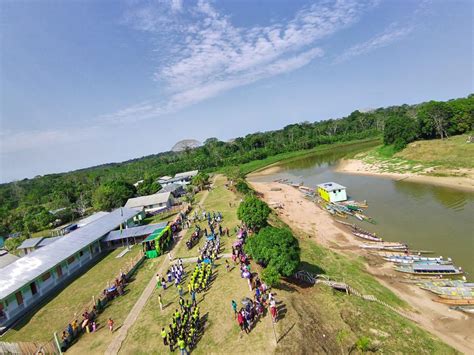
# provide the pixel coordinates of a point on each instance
(47, 241)
(187, 174)
(30, 243)
(6, 259)
(171, 188)
(33, 265)
(93, 217)
(148, 200)
(134, 232)
(330, 186)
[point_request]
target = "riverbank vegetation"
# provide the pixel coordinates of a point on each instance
(78, 192)
(451, 156)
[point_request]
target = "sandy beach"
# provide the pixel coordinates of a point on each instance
(355, 166)
(453, 327)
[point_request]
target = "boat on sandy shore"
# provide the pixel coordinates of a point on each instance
(463, 302)
(367, 237)
(465, 309)
(410, 259)
(385, 246)
(433, 270)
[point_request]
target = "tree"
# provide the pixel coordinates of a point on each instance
(200, 180)
(12, 243)
(148, 186)
(112, 194)
(242, 187)
(434, 118)
(271, 276)
(399, 131)
(253, 212)
(276, 248)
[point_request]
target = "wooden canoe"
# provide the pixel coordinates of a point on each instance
(462, 302)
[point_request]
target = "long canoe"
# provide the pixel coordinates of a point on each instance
(367, 237)
(462, 302)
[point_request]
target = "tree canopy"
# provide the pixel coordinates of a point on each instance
(253, 212)
(399, 131)
(276, 248)
(112, 195)
(148, 186)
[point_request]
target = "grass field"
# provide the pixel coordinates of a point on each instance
(448, 157)
(312, 319)
(59, 311)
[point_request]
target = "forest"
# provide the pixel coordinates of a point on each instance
(31, 205)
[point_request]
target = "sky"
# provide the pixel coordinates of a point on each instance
(88, 82)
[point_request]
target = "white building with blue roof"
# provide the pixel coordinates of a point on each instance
(31, 278)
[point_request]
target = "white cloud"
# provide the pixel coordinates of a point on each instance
(202, 54)
(391, 34)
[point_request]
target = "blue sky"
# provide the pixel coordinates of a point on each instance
(91, 82)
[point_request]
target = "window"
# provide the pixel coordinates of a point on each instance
(81, 253)
(33, 288)
(71, 260)
(19, 298)
(46, 276)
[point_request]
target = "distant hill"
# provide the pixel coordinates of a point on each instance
(185, 144)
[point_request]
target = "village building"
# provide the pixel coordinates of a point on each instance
(180, 178)
(176, 190)
(151, 203)
(332, 192)
(30, 279)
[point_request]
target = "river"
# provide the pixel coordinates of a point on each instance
(427, 217)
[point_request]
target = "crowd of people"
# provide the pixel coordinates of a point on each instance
(175, 274)
(183, 329)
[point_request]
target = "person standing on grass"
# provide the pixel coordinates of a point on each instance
(193, 298)
(164, 336)
(110, 322)
(170, 257)
(227, 266)
(160, 302)
(273, 310)
(182, 346)
(180, 290)
(234, 307)
(240, 320)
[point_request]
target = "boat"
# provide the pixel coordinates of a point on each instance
(465, 309)
(410, 259)
(385, 246)
(447, 283)
(463, 302)
(429, 270)
(367, 237)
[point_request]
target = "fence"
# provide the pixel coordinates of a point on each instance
(29, 348)
(323, 279)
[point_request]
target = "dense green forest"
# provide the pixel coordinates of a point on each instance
(25, 205)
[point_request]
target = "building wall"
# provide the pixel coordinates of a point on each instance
(13, 310)
(338, 195)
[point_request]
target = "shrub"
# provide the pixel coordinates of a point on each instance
(276, 248)
(253, 212)
(271, 276)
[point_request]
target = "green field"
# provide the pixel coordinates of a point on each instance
(447, 157)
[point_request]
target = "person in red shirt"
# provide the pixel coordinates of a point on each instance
(240, 320)
(110, 322)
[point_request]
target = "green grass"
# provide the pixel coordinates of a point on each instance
(118, 310)
(59, 311)
(435, 157)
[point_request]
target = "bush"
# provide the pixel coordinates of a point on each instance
(399, 131)
(271, 276)
(253, 212)
(363, 344)
(276, 248)
(242, 187)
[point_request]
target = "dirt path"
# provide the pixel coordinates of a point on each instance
(452, 327)
(121, 334)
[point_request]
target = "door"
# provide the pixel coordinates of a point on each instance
(59, 271)
(19, 298)
(33, 288)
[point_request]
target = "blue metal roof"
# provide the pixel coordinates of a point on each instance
(133, 232)
(30, 243)
(23, 271)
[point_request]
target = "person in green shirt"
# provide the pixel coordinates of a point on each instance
(182, 347)
(164, 336)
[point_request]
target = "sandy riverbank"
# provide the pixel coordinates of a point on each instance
(355, 166)
(452, 327)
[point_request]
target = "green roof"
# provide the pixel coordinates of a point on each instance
(157, 233)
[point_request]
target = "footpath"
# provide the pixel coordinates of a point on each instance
(121, 334)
